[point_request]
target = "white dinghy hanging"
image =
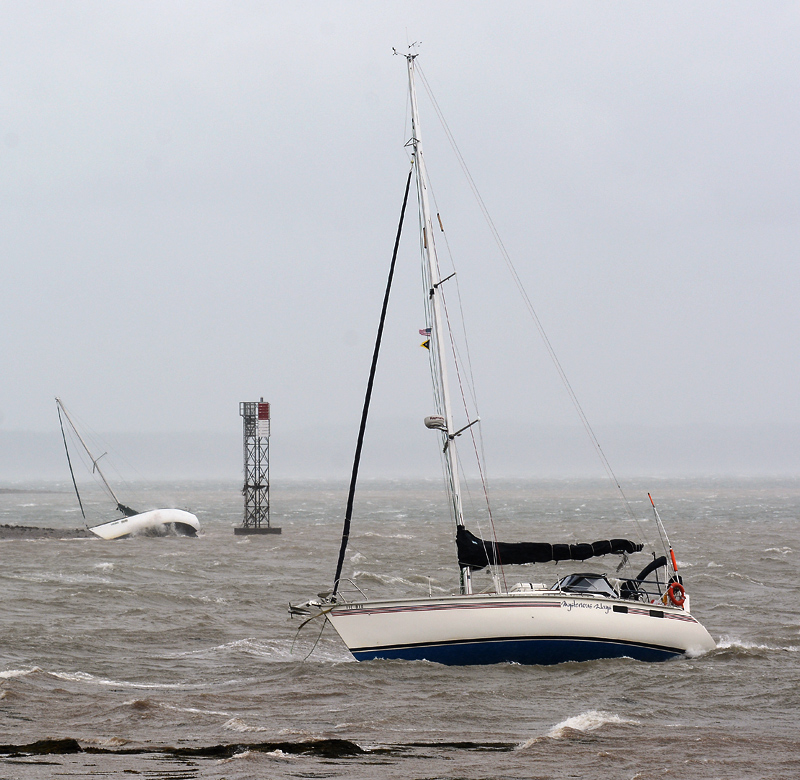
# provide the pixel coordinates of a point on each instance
(156, 522)
(583, 616)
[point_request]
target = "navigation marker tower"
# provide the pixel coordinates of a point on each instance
(256, 421)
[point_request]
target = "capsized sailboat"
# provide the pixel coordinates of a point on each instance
(155, 522)
(584, 616)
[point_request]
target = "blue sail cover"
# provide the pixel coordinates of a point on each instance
(476, 554)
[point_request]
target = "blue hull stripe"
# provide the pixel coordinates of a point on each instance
(537, 650)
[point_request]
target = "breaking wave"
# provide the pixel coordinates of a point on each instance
(380, 579)
(10, 673)
(591, 720)
(237, 724)
(85, 677)
(739, 647)
(275, 650)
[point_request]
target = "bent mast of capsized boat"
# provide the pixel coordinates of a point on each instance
(156, 522)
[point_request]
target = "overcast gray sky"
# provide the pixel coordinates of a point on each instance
(200, 198)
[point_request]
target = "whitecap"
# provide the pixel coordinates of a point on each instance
(381, 579)
(248, 645)
(237, 724)
(244, 754)
(195, 710)
(734, 575)
(388, 536)
(421, 579)
(276, 650)
(586, 721)
(90, 678)
(209, 599)
(7, 675)
(108, 742)
(732, 643)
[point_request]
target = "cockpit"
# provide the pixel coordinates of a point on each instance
(638, 589)
(596, 584)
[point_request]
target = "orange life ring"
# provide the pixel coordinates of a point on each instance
(676, 593)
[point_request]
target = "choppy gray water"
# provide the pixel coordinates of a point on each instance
(175, 658)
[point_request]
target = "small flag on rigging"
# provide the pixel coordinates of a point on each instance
(426, 344)
(425, 332)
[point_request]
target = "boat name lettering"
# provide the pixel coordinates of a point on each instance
(570, 605)
(353, 606)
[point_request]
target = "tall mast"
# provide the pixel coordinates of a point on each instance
(438, 355)
(122, 508)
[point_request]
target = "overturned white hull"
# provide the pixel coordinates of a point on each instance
(156, 522)
(545, 627)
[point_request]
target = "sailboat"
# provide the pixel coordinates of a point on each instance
(583, 616)
(155, 522)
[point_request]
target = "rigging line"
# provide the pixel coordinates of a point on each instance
(116, 456)
(472, 434)
(489, 509)
(321, 613)
(100, 443)
(368, 396)
(453, 345)
(493, 567)
(434, 358)
(69, 462)
(427, 282)
(319, 636)
(429, 318)
(95, 468)
(405, 122)
(529, 305)
(662, 532)
(471, 383)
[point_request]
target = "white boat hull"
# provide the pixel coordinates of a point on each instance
(542, 628)
(155, 522)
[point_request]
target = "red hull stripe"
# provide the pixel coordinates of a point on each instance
(505, 605)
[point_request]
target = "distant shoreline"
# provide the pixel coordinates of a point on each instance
(30, 532)
(29, 490)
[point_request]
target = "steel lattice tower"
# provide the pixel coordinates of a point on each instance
(256, 427)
